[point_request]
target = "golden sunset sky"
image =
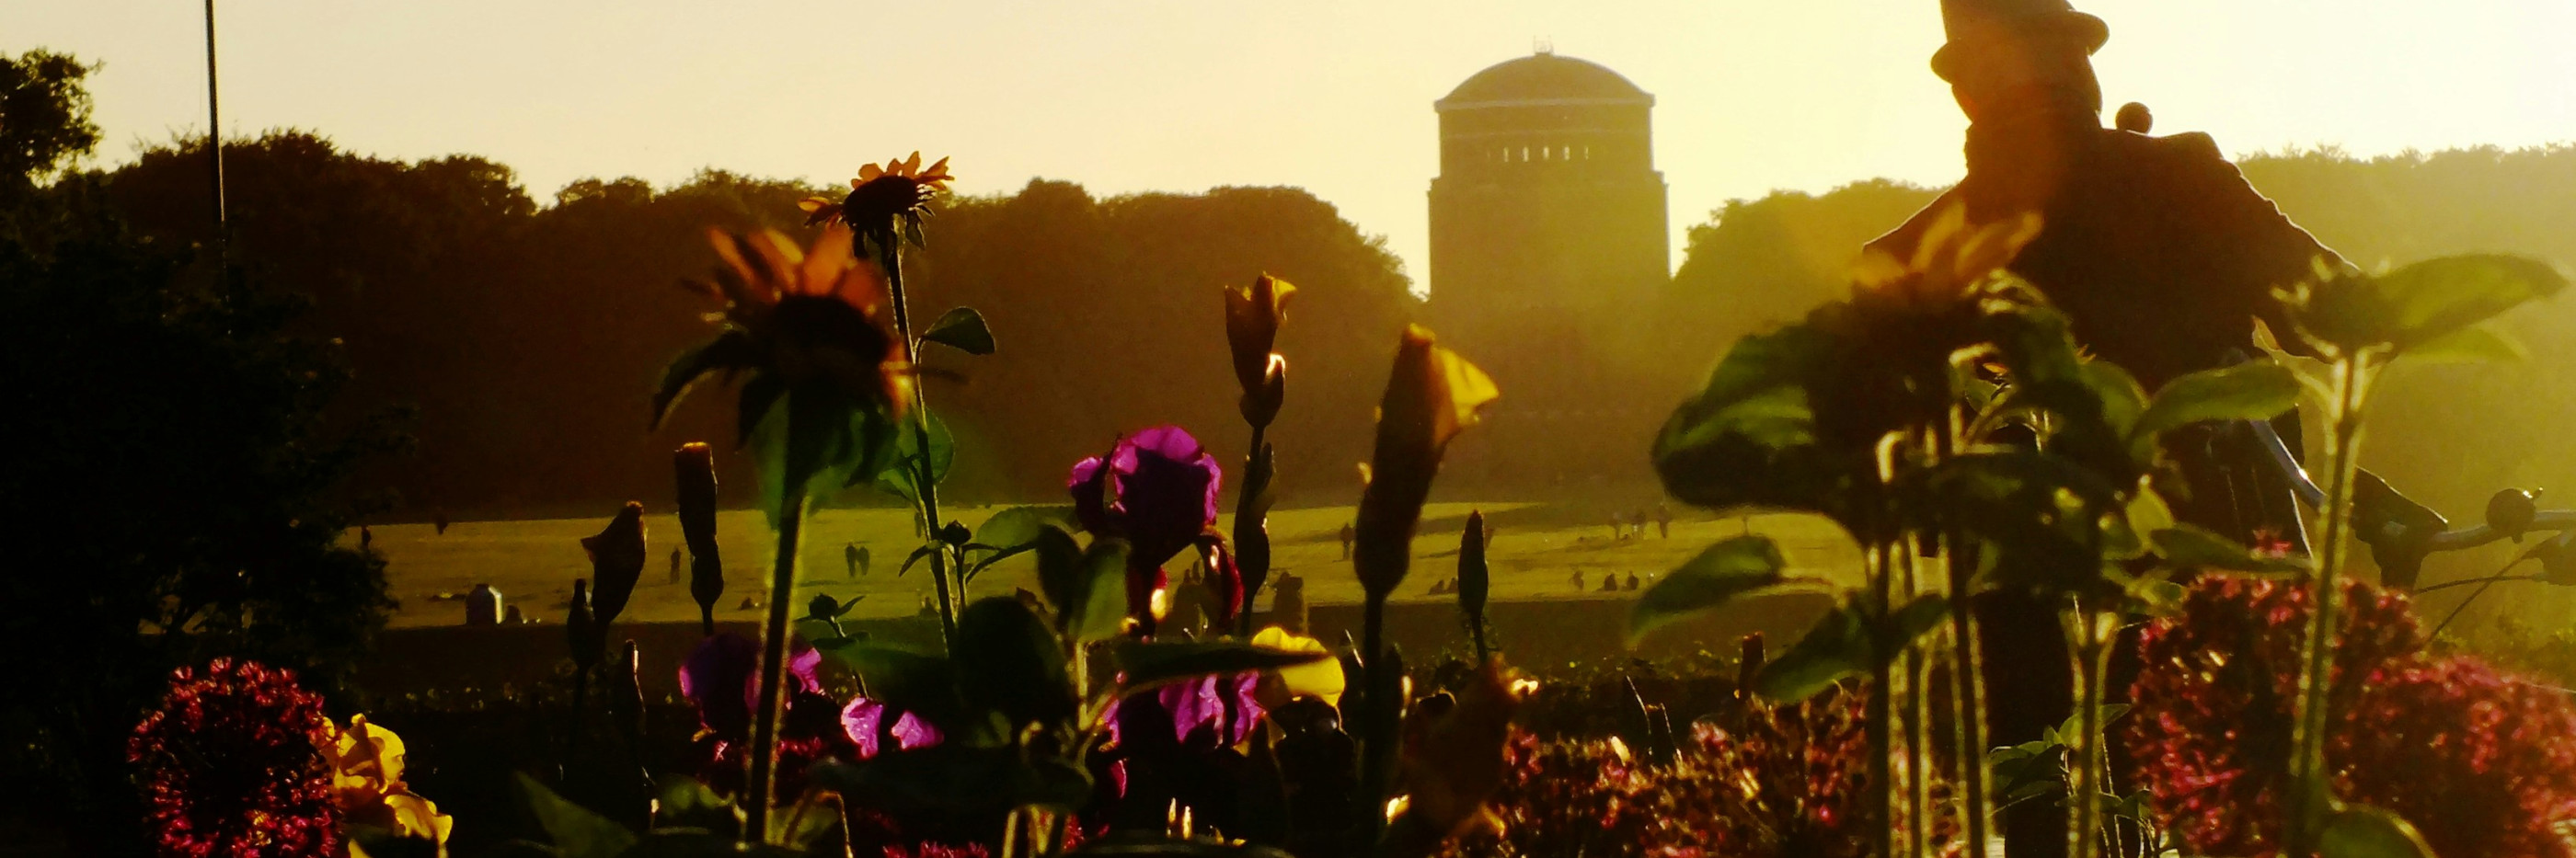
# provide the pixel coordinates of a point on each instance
(1331, 95)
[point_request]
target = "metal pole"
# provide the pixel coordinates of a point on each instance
(214, 134)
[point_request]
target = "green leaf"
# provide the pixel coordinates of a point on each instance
(1707, 582)
(899, 678)
(926, 551)
(730, 352)
(753, 403)
(1151, 663)
(1840, 646)
(2042, 517)
(2246, 391)
(684, 802)
(1020, 525)
(2074, 724)
(1749, 438)
(962, 329)
(1101, 600)
(2362, 831)
(902, 469)
(1008, 662)
(2425, 301)
(575, 830)
(2472, 344)
(2028, 770)
(1835, 648)
(1912, 622)
(2189, 546)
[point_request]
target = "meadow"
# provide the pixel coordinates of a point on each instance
(1537, 549)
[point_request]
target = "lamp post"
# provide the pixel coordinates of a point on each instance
(214, 135)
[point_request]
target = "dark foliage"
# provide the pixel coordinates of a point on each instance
(510, 325)
(169, 477)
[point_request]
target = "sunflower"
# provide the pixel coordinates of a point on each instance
(803, 325)
(885, 202)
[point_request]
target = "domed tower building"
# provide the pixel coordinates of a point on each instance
(1548, 246)
(1548, 195)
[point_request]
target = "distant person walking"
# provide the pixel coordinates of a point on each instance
(1663, 521)
(366, 538)
(1575, 580)
(675, 564)
(438, 519)
(1346, 541)
(850, 559)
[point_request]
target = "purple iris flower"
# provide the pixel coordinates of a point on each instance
(722, 679)
(1158, 490)
(1201, 714)
(864, 720)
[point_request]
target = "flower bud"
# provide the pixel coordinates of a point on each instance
(1432, 395)
(1252, 317)
(616, 561)
(695, 466)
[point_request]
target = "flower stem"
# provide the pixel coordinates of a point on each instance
(773, 668)
(1880, 710)
(2311, 793)
(1967, 669)
(1378, 736)
(926, 483)
(1250, 523)
(2085, 760)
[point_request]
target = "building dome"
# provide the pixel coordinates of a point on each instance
(1543, 78)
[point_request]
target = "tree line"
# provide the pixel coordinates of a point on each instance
(525, 336)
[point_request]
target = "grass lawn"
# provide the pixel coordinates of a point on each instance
(1536, 549)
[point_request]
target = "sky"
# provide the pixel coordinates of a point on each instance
(1330, 95)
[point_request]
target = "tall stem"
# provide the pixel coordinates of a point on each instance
(2084, 790)
(1249, 523)
(1881, 710)
(1967, 671)
(2310, 790)
(890, 256)
(1385, 705)
(773, 667)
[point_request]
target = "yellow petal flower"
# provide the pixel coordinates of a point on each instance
(1321, 679)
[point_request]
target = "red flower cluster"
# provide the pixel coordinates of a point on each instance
(231, 765)
(2481, 763)
(1790, 781)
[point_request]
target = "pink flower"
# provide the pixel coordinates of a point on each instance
(864, 721)
(722, 679)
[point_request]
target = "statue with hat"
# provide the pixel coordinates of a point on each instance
(2161, 255)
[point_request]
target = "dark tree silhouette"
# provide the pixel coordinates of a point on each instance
(168, 481)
